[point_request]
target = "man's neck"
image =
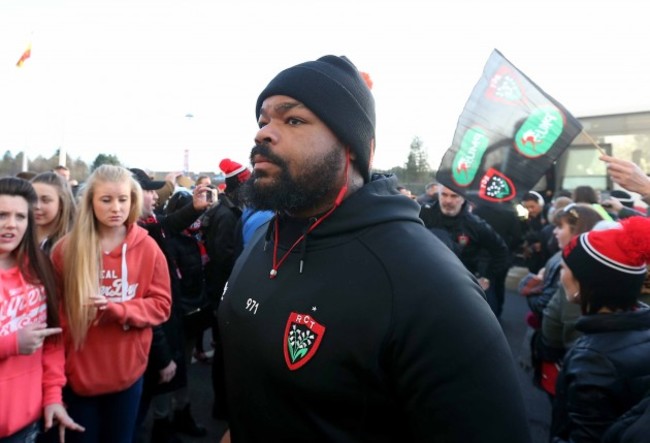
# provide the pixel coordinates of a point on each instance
(355, 183)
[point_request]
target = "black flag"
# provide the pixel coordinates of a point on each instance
(509, 134)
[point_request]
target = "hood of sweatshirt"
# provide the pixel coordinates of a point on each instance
(375, 203)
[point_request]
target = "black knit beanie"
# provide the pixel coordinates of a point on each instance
(332, 88)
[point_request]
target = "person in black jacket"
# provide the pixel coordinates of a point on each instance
(346, 320)
(220, 225)
(505, 221)
(166, 370)
(607, 372)
(476, 243)
(533, 248)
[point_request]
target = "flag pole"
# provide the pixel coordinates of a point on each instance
(593, 142)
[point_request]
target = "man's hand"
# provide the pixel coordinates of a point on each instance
(32, 336)
(167, 373)
(627, 174)
(56, 414)
(203, 197)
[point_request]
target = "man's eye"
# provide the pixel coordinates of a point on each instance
(261, 124)
(294, 121)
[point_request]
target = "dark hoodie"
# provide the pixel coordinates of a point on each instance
(384, 336)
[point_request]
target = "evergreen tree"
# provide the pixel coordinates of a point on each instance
(104, 159)
(417, 166)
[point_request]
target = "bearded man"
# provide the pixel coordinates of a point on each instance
(345, 319)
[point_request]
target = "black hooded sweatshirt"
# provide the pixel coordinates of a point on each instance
(384, 336)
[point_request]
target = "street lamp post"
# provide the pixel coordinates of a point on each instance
(186, 159)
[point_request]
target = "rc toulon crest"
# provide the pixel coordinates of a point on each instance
(302, 337)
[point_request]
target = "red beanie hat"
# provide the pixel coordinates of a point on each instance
(235, 173)
(613, 259)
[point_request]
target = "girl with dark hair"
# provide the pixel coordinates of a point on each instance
(607, 371)
(29, 323)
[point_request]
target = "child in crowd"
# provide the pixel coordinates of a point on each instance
(29, 324)
(607, 371)
(549, 349)
(116, 287)
(54, 210)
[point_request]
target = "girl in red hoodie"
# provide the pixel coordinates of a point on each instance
(116, 287)
(29, 322)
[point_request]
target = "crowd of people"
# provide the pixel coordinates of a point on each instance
(339, 310)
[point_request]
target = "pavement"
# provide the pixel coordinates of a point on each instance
(538, 407)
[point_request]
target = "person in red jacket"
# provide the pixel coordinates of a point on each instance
(29, 323)
(116, 287)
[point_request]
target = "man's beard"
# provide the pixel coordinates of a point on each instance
(305, 191)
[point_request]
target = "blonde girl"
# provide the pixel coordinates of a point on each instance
(116, 287)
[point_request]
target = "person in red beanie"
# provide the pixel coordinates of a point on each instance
(607, 372)
(219, 225)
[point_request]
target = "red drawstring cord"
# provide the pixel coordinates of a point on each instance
(276, 237)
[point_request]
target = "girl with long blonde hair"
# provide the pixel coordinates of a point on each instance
(116, 287)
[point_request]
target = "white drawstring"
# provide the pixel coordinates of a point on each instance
(125, 273)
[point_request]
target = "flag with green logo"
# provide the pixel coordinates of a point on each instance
(508, 135)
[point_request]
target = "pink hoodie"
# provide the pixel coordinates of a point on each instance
(27, 382)
(135, 279)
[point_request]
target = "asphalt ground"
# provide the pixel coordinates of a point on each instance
(538, 407)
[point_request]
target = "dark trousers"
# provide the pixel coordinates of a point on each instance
(108, 418)
(496, 293)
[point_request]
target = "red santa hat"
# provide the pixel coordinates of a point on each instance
(235, 173)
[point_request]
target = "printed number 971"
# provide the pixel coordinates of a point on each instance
(252, 305)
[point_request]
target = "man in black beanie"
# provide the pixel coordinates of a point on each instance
(344, 319)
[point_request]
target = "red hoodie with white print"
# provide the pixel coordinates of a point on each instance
(135, 279)
(27, 382)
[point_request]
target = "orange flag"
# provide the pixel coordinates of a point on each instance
(25, 56)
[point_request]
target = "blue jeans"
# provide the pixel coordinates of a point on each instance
(108, 418)
(27, 434)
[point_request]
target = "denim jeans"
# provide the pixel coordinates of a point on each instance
(108, 418)
(27, 434)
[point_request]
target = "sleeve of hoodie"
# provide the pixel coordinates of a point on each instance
(53, 347)
(448, 358)
(53, 370)
(154, 307)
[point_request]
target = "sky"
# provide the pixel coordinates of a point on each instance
(123, 77)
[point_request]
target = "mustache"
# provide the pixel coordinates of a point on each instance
(265, 151)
